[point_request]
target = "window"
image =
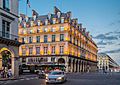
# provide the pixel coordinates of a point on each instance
(37, 50)
(45, 29)
(53, 49)
(23, 51)
(61, 28)
(6, 5)
(38, 30)
(54, 21)
(74, 40)
(45, 50)
(53, 59)
(46, 22)
(52, 29)
(62, 20)
(23, 40)
(38, 22)
(5, 29)
(71, 38)
(30, 39)
(61, 49)
(53, 38)
(45, 38)
(30, 50)
(38, 39)
(61, 37)
(31, 31)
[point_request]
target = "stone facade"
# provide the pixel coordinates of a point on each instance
(9, 32)
(56, 36)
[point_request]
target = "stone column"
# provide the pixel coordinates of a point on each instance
(0, 61)
(15, 67)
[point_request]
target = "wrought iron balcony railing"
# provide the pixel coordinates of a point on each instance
(8, 36)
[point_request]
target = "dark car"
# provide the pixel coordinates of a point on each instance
(41, 74)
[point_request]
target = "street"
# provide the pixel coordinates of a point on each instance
(73, 79)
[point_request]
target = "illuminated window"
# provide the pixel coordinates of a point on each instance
(45, 50)
(37, 39)
(38, 22)
(45, 38)
(53, 38)
(54, 21)
(46, 22)
(52, 29)
(71, 38)
(24, 25)
(61, 37)
(31, 31)
(45, 29)
(31, 23)
(30, 50)
(37, 50)
(62, 20)
(61, 28)
(53, 49)
(61, 49)
(23, 51)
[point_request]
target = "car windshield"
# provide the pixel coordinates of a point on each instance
(56, 73)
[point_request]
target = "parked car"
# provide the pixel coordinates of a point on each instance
(56, 77)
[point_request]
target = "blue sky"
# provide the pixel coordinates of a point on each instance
(98, 16)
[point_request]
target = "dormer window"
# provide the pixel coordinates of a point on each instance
(49, 16)
(58, 14)
(46, 22)
(38, 22)
(31, 23)
(53, 29)
(34, 17)
(26, 19)
(62, 20)
(45, 29)
(61, 28)
(20, 19)
(54, 21)
(24, 24)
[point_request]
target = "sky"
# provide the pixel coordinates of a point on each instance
(97, 16)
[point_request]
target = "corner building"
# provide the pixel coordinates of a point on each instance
(56, 39)
(9, 45)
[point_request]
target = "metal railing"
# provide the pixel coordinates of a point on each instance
(8, 36)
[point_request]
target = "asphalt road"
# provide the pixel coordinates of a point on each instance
(74, 79)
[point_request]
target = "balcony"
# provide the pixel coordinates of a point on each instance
(9, 39)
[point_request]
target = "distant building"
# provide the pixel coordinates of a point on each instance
(105, 62)
(9, 44)
(56, 39)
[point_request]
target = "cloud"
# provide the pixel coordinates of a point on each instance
(104, 37)
(113, 23)
(113, 51)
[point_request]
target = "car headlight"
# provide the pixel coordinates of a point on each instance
(59, 78)
(46, 77)
(46, 74)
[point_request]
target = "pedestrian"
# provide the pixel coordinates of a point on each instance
(9, 73)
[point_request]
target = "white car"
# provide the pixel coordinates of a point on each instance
(56, 77)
